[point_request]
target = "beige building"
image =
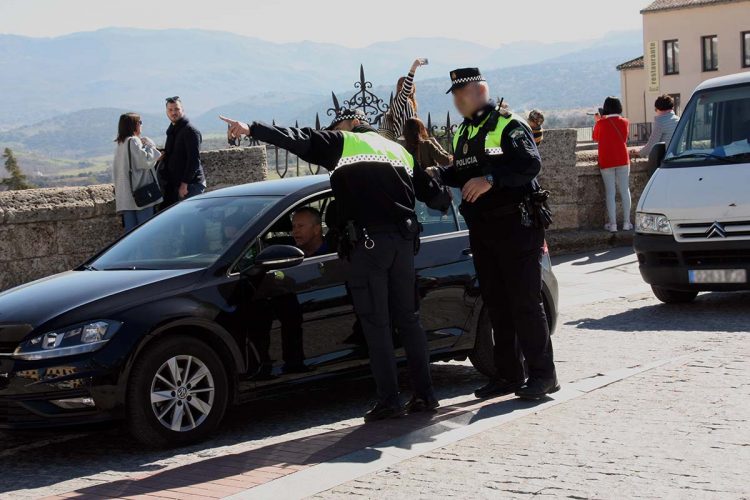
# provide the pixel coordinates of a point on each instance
(684, 43)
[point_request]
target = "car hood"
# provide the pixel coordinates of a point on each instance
(40, 301)
(716, 192)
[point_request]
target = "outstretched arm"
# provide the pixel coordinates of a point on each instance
(320, 147)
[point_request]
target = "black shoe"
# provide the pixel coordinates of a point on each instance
(417, 404)
(382, 411)
(536, 388)
(497, 387)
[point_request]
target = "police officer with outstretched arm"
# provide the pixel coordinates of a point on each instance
(375, 182)
(495, 164)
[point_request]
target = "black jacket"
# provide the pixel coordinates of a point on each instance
(182, 160)
(370, 193)
(514, 172)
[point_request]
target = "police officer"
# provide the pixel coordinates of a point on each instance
(375, 182)
(495, 164)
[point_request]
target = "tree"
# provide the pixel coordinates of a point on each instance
(17, 179)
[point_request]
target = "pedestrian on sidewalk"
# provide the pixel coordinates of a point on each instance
(665, 122)
(611, 134)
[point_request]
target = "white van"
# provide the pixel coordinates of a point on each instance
(693, 219)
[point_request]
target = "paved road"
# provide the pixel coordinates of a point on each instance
(679, 430)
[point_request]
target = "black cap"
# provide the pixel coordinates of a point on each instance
(344, 114)
(462, 76)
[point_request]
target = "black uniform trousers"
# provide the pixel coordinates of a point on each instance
(507, 258)
(382, 285)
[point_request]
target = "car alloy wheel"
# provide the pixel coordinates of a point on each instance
(182, 393)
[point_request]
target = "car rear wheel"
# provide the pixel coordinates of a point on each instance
(482, 356)
(669, 296)
(177, 392)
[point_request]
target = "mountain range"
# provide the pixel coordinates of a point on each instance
(62, 95)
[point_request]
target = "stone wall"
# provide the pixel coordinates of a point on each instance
(576, 185)
(45, 231)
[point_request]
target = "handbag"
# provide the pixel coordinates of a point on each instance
(147, 194)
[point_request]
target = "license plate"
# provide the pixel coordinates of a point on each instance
(717, 276)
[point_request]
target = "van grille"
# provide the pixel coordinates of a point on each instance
(714, 230)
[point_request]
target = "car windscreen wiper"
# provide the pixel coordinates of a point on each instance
(698, 155)
(89, 267)
(128, 268)
(738, 156)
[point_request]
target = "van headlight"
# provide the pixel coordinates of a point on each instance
(79, 339)
(652, 223)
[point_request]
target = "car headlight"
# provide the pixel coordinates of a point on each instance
(652, 223)
(79, 339)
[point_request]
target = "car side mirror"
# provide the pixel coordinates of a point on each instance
(656, 156)
(276, 257)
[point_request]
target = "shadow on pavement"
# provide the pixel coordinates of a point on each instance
(710, 312)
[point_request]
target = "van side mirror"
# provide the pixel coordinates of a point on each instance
(275, 257)
(656, 156)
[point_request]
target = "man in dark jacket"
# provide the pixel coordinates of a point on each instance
(181, 173)
(375, 182)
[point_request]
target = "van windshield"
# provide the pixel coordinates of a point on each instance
(714, 129)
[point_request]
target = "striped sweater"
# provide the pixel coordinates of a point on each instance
(401, 110)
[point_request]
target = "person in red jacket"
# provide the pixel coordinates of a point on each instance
(611, 133)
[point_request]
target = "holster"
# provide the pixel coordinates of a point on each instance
(538, 206)
(348, 240)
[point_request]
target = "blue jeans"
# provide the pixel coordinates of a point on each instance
(133, 218)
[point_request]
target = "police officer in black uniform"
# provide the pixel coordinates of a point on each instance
(496, 163)
(375, 182)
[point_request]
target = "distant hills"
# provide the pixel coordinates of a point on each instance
(62, 96)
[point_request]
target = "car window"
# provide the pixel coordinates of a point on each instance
(433, 221)
(282, 232)
(190, 235)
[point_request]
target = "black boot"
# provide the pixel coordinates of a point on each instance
(497, 387)
(536, 388)
(417, 404)
(382, 411)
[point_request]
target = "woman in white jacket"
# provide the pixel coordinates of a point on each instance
(141, 160)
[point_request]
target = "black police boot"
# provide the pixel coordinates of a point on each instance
(536, 388)
(382, 411)
(417, 404)
(497, 387)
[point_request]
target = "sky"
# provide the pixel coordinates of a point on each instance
(488, 22)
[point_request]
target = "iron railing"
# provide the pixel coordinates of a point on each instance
(637, 134)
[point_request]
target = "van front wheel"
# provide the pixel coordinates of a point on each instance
(669, 296)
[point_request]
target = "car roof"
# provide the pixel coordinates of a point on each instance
(722, 81)
(277, 187)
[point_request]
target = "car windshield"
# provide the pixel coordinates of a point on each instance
(714, 129)
(190, 235)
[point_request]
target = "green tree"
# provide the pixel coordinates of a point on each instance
(17, 179)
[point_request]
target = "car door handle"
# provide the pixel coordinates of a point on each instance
(467, 252)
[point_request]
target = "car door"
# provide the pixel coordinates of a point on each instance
(305, 307)
(445, 274)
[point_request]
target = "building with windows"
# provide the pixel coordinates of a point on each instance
(684, 43)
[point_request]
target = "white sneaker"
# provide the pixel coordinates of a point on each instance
(612, 228)
(627, 226)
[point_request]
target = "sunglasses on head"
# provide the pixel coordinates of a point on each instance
(172, 100)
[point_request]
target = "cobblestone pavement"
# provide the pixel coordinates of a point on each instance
(677, 431)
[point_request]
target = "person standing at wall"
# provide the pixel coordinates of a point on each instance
(665, 121)
(426, 150)
(183, 175)
(611, 133)
(132, 167)
(535, 121)
(404, 105)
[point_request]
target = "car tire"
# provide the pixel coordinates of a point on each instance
(482, 356)
(669, 296)
(163, 412)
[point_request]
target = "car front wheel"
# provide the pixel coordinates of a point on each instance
(177, 393)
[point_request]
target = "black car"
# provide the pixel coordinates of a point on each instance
(199, 307)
